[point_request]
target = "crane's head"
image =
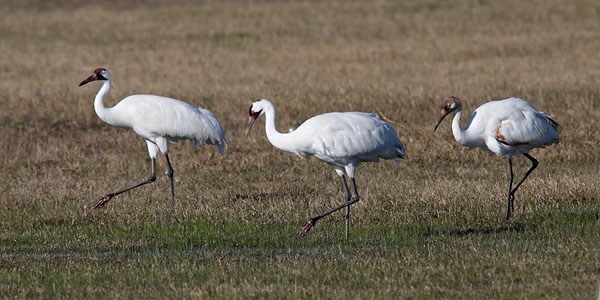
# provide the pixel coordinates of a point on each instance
(449, 105)
(256, 110)
(101, 74)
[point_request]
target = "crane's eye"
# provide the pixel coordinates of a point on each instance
(99, 76)
(450, 106)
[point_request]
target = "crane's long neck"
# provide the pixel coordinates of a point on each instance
(283, 141)
(104, 113)
(459, 134)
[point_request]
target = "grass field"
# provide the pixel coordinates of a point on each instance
(429, 228)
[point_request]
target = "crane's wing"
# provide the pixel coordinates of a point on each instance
(155, 116)
(210, 131)
(351, 134)
(527, 127)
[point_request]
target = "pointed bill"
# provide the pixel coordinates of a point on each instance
(249, 126)
(89, 79)
(443, 114)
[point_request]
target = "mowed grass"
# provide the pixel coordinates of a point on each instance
(431, 227)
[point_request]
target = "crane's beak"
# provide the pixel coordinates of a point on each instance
(250, 123)
(89, 79)
(253, 116)
(443, 114)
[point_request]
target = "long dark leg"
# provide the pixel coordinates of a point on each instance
(347, 196)
(355, 191)
(355, 198)
(170, 174)
(346, 190)
(508, 196)
(349, 202)
(534, 164)
(107, 198)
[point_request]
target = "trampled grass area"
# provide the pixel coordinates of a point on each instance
(431, 227)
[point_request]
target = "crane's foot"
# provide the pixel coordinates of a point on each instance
(103, 201)
(306, 228)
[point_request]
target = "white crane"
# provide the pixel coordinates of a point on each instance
(509, 127)
(158, 120)
(343, 140)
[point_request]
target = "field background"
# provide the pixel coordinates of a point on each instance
(431, 227)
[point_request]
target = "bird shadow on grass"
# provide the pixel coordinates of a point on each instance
(293, 194)
(473, 230)
(585, 219)
(256, 196)
(487, 230)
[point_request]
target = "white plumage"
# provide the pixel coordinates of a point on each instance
(159, 120)
(343, 140)
(155, 118)
(509, 127)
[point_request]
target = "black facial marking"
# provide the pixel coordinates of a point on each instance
(99, 76)
(252, 114)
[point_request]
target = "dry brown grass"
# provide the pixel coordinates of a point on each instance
(430, 228)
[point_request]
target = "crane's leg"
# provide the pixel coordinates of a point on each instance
(170, 174)
(534, 164)
(347, 198)
(349, 201)
(107, 198)
(355, 199)
(509, 198)
(355, 191)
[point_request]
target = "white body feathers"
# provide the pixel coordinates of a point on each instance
(160, 120)
(506, 127)
(341, 139)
